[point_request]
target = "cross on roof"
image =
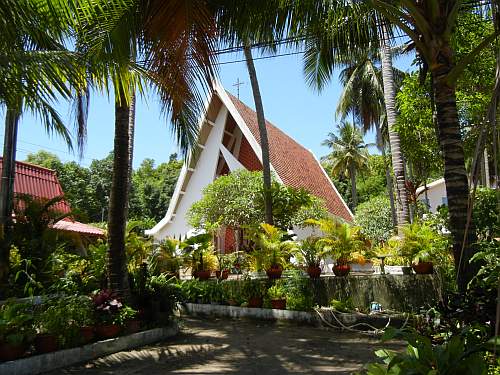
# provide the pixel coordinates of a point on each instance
(238, 84)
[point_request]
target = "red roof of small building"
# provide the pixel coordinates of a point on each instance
(295, 165)
(40, 182)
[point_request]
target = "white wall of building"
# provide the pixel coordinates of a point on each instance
(202, 176)
(436, 194)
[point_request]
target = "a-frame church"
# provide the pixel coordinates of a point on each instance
(229, 140)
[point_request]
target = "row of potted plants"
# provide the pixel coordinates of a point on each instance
(248, 292)
(61, 322)
(270, 250)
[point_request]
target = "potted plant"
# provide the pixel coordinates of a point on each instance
(340, 241)
(16, 330)
(420, 246)
(127, 318)
(309, 253)
(224, 263)
(253, 291)
(51, 323)
(83, 317)
(107, 308)
(276, 294)
(273, 249)
(232, 293)
(361, 261)
(199, 255)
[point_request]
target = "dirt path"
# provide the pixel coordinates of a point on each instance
(219, 346)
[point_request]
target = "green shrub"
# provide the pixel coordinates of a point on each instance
(167, 291)
(252, 289)
(375, 219)
(232, 292)
(421, 243)
(277, 291)
(455, 356)
(16, 323)
(485, 214)
(298, 290)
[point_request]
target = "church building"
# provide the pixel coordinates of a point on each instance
(229, 140)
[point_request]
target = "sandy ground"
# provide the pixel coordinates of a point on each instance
(223, 346)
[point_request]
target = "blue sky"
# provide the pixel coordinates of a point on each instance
(289, 103)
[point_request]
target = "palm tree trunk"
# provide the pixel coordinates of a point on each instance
(7, 189)
(118, 201)
(388, 178)
(264, 143)
(131, 133)
(390, 107)
(455, 175)
(354, 192)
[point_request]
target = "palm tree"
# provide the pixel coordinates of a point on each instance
(391, 116)
(363, 96)
(176, 53)
(350, 27)
(349, 155)
(36, 70)
(264, 143)
(430, 25)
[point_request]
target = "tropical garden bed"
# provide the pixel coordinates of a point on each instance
(39, 363)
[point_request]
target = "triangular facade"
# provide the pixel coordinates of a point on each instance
(229, 140)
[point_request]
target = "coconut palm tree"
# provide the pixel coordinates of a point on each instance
(349, 155)
(363, 96)
(264, 142)
(174, 42)
(430, 25)
(335, 41)
(391, 116)
(36, 70)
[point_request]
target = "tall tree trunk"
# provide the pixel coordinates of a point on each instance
(264, 143)
(388, 178)
(7, 189)
(354, 192)
(455, 175)
(486, 167)
(390, 108)
(118, 201)
(131, 133)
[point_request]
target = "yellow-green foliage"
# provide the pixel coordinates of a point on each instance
(340, 240)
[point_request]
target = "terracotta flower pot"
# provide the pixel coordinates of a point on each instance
(255, 302)
(274, 272)
(314, 272)
(203, 274)
(341, 269)
(10, 352)
(423, 268)
(222, 275)
(46, 343)
(87, 334)
(278, 304)
(108, 331)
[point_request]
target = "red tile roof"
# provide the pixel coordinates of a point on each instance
(42, 182)
(70, 225)
(38, 182)
(295, 165)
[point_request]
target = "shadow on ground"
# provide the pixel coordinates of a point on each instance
(215, 346)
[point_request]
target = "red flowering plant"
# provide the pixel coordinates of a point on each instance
(107, 306)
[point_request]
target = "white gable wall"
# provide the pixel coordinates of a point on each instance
(202, 176)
